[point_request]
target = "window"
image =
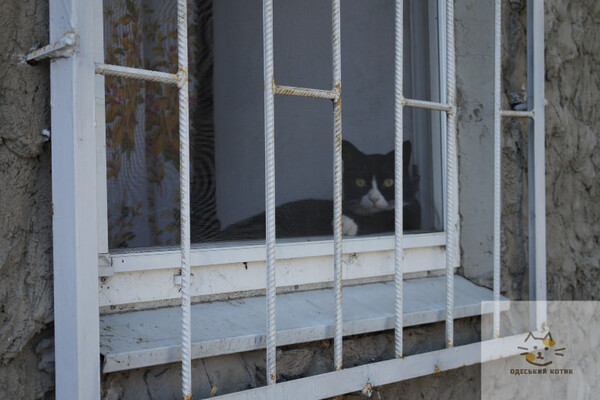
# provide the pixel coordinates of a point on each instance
(227, 143)
(145, 274)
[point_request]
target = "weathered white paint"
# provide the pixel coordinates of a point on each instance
(156, 285)
(398, 172)
(269, 131)
(235, 252)
(451, 225)
(536, 163)
(384, 372)
(62, 48)
(151, 337)
(74, 198)
(100, 120)
(336, 82)
(497, 158)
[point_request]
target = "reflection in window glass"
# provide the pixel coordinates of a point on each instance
(226, 112)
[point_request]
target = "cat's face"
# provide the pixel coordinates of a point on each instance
(369, 179)
(540, 351)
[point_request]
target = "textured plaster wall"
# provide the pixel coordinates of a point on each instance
(237, 372)
(475, 85)
(26, 345)
(572, 146)
(573, 149)
(573, 196)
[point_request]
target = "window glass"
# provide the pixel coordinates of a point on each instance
(227, 127)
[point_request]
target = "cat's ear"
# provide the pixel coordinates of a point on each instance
(349, 151)
(406, 152)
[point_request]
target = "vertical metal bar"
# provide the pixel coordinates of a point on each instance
(337, 181)
(269, 104)
(536, 166)
(398, 206)
(451, 172)
(497, 160)
(74, 199)
(100, 131)
(184, 181)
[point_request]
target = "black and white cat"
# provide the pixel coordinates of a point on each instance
(367, 207)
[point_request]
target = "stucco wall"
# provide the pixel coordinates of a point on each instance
(572, 163)
(241, 371)
(26, 351)
(572, 147)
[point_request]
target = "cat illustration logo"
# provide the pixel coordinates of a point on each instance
(540, 349)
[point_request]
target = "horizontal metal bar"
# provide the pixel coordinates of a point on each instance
(137, 73)
(385, 372)
(517, 114)
(63, 47)
(306, 92)
(429, 105)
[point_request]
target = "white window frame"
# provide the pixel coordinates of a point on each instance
(140, 275)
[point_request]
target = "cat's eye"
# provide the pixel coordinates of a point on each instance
(360, 182)
(388, 182)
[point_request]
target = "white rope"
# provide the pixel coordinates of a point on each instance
(337, 182)
(497, 162)
(269, 105)
(399, 251)
(451, 171)
(184, 160)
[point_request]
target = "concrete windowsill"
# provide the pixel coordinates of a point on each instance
(152, 337)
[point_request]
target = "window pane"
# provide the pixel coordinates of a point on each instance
(142, 128)
(227, 128)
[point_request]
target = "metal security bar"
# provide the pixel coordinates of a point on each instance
(181, 80)
(398, 205)
(269, 105)
(536, 164)
(449, 107)
(270, 187)
(337, 181)
(450, 171)
(536, 190)
(339, 382)
(497, 160)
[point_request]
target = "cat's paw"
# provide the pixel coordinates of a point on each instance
(349, 227)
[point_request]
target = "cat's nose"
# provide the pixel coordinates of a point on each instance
(374, 200)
